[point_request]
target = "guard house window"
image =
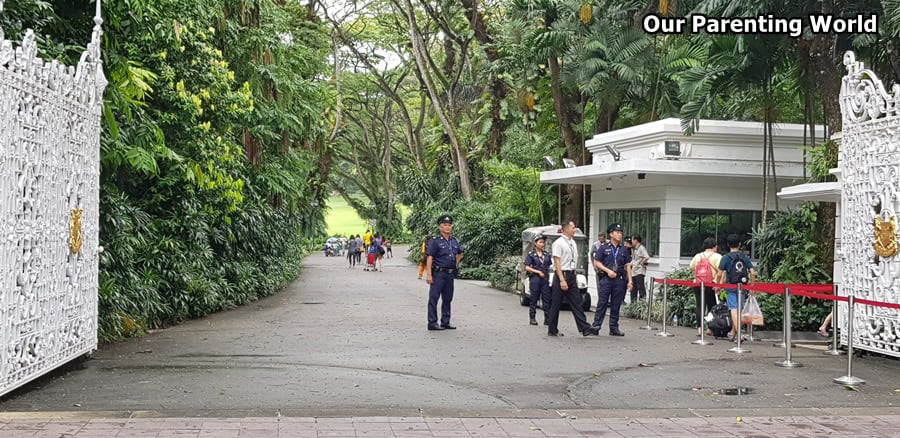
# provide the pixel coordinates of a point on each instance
(697, 225)
(643, 222)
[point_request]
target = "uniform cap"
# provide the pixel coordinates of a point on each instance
(614, 227)
(445, 219)
(540, 237)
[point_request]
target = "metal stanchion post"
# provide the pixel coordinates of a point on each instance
(740, 311)
(784, 312)
(702, 340)
(649, 325)
(665, 313)
(849, 380)
(750, 334)
(787, 362)
(834, 351)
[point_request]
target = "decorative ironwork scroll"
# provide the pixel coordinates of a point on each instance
(49, 169)
(870, 199)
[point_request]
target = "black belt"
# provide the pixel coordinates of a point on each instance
(569, 272)
(440, 269)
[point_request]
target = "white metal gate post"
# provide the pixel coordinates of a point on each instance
(869, 164)
(49, 207)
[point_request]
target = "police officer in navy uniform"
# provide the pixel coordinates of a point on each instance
(537, 263)
(614, 262)
(444, 253)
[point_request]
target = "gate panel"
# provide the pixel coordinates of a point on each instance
(49, 208)
(870, 199)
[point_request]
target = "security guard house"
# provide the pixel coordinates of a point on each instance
(675, 190)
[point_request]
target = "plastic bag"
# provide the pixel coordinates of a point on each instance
(752, 313)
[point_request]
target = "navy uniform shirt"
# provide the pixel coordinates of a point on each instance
(444, 252)
(534, 260)
(614, 258)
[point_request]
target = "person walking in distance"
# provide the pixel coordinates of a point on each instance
(444, 254)
(537, 264)
(367, 240)
(639, 260)
(352, 250)
(565, 286)
(387, 248)
(614, 262)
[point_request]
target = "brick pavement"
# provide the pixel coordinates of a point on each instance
(400, 427)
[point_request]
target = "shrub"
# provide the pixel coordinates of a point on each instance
(503, 273)
(480, 273)
(484, 232)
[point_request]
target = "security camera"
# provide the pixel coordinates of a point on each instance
(614, 152)
(549, 162)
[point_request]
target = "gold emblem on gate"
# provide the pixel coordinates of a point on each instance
(885, 236)
(75, 231)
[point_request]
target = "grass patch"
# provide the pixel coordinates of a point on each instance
(342, 220)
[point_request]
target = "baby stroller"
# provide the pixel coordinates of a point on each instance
(370, 261)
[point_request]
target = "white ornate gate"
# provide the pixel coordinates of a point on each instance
(49, 190)
(870, 199)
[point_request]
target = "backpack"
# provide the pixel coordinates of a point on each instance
(721, 322)
(738, 272)
(703, 272)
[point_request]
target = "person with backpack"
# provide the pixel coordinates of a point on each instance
(735, 268)
(706, 269)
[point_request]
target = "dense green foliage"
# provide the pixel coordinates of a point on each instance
(211, 149)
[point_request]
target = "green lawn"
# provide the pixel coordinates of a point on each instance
(342, 219)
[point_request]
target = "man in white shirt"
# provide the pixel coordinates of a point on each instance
(565, 286)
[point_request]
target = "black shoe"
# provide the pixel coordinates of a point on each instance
(533, 321)
(448, 327)
(616, 333)
(591, 331)
(434, 327)
(557, 334)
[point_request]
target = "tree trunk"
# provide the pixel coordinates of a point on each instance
(497, 87)
(572, 200)
(827, 75)
(421, 63)
(337, 88)
(386, 163)
(765, 166)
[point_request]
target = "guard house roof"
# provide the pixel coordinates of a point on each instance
(717, 148)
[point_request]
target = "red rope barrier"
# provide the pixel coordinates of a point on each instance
(877, 303)
(826, 288)
(803, 290)
(819, 296)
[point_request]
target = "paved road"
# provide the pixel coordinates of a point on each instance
(343, 342)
